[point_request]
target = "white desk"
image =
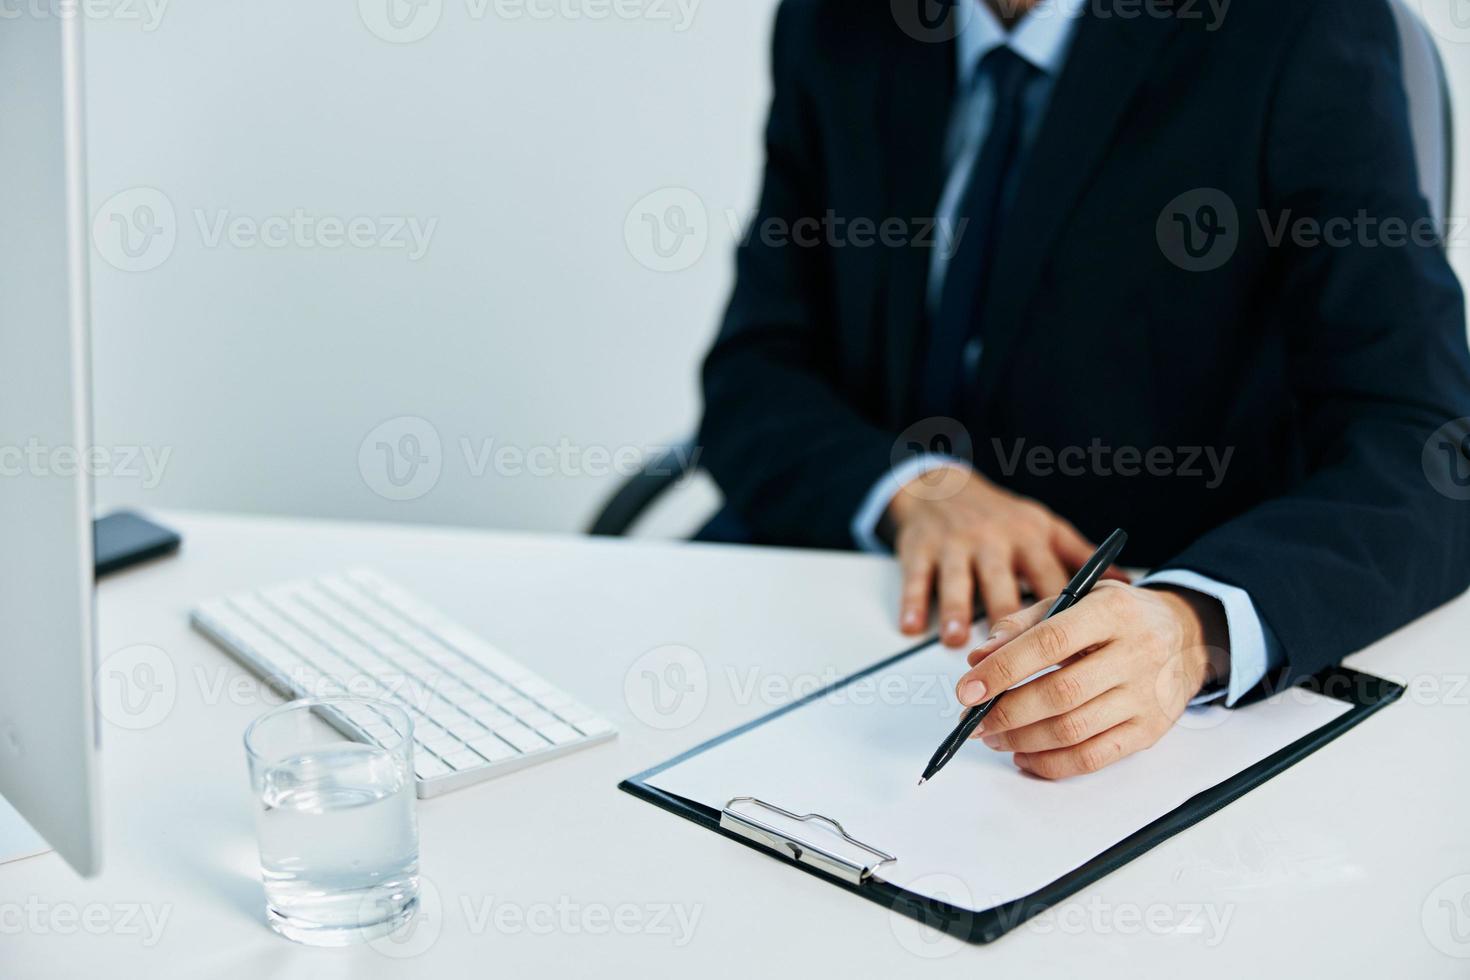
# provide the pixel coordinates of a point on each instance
(1312, 874)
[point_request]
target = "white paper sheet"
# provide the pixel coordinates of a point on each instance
(981, 832)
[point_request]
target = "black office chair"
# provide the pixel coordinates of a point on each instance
(1432, 125)
(1430, 112)
(641, 490)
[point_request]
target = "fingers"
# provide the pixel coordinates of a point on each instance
(1095, 753)
(917, 567)
(1043, 570)
(1053, 694)
(1074, 550)
(989, 545)
(1008, 627)
(1071, 546)
(1093, 717)
(956, 597)
(1088, 624)
(999, 592)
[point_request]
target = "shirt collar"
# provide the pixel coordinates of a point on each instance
(1042, 37)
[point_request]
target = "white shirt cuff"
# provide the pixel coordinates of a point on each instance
(865, 521)
(1254, 650)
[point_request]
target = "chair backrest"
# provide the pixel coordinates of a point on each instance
(1429, 109)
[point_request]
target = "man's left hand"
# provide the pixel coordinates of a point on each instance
(1129, 660)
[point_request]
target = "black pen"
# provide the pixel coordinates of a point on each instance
(1080, 585)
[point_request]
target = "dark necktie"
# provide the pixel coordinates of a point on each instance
(941, 387)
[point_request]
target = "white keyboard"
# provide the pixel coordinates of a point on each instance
(476, 712)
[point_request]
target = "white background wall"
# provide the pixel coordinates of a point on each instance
(528, 321)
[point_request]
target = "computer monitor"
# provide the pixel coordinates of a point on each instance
(48, 729)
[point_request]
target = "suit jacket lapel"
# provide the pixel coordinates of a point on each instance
(1110, 58)
(918, 85)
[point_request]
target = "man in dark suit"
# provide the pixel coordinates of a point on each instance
(1104, 263)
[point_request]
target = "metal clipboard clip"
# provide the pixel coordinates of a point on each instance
(850, 868)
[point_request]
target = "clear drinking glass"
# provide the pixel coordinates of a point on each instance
(339, 842)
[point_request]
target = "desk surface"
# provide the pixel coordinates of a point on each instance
(552, 871)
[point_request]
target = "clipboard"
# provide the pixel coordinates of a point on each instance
(819, 844)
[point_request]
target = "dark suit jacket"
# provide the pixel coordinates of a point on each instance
(1323, 369)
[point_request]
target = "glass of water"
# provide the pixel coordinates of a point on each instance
(339, 842)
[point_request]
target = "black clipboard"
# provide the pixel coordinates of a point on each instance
(1365, 692)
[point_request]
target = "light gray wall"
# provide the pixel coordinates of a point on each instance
(531, 322)
(538, 318)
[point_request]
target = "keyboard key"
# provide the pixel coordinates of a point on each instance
(358, 714)
(414, 638)
(417, 694)
(427, 766)
(487, 714)
(381, 732)
(442, 711)
(493, 748)
(425, 728)
(522, 738)
(592, 727)
(431, 734)
(559, 734)
(441, 655)
(573, 712)
(536, 718)
(462, 696)
(496, 691)
(466, 729)
(464, 759)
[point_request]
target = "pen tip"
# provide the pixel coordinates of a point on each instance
(922, 781)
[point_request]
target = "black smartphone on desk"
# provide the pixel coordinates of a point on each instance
(123, 539)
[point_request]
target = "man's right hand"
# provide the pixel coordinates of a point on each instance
(977, 536)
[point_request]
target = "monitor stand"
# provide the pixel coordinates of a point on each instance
(17, 839)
